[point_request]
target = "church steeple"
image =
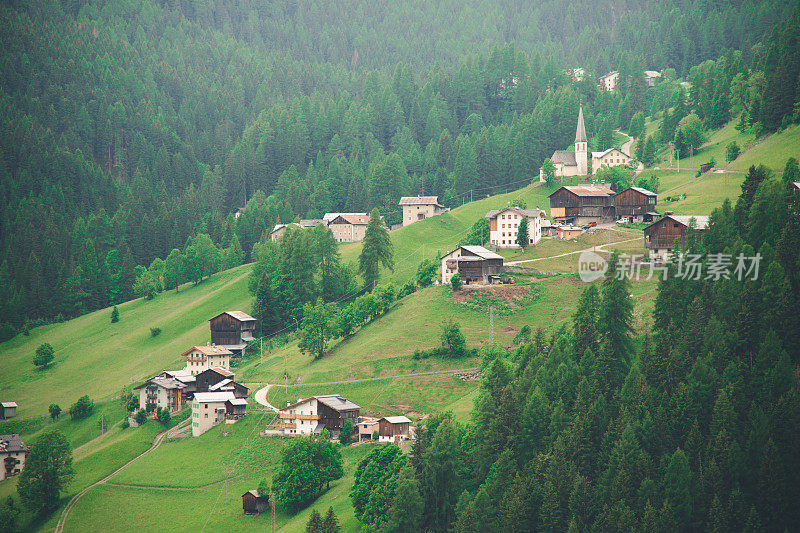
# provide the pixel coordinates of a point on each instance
(581, 146)
(580, 133)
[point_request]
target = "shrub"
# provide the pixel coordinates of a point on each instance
(132, 403)
(346, 432)
(44, 355)
(409, 288)
(155, 332)
(141, 416)
(164, 416)
(453, 340)
(81, 409)
(125, 423)
(55, 411)
(732, 151)
(426, 272)
(455, 282)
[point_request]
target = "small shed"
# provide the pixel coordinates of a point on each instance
(8, 410)
(253, 503)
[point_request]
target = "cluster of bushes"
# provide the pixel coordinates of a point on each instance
(81, 409)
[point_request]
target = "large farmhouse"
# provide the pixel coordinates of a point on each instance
(201, 358)
(312, 415)
(349, 227)
(504, 225)
(162, 391)
(12, 455)
(581, 204)
(670, 232)
(212, 408)
(609, 158)
(474, 265)
(635, 204)
(233, 330)
(420, 207)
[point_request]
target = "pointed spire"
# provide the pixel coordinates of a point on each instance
(580, 133)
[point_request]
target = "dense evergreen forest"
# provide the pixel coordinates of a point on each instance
(690, 424)
(131, 131)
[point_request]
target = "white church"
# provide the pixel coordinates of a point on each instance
(575, 163)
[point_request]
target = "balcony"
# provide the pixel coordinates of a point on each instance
(297, 416)
(287, 426)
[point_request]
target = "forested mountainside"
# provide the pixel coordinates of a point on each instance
(692, 426)
(128, 128)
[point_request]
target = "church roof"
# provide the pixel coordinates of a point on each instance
(564, 157)
(580, 132)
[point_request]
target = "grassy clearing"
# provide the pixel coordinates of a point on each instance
(772, 151)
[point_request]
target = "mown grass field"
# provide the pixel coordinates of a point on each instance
(184, 482)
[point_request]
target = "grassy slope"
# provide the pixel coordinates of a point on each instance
(708, 191)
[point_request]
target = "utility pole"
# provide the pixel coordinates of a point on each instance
(491, 324)
(272, 501)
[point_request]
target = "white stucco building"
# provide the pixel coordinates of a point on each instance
(504, 226)
(201, 358)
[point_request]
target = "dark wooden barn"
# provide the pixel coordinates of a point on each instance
(233, 330)
(636, 203)
(578, 204)
(670, 232)
(333, 410)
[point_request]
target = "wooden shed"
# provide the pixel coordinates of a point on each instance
(580, 204)
(670, 232)
(8, 410)
(253, 503)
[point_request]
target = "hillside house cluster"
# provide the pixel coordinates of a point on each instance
(586, 203)
(504, 225)
(206, 383)
(12, 455)
(346, 227)
(416, 208)
(669, 233)
(475, 265)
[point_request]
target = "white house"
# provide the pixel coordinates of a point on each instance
(12, 455)
(650, 77)
(162, 391)
(209, 409)
(504, 225)
(609, 158)
(201, 358)
(610, 81)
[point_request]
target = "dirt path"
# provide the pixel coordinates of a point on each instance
(156, 443)
(626, 147)
(600, 248)
(260, 395)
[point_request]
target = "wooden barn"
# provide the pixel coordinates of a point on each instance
(393, 428)
(253, 503)
(581, 204)
(233, 330)
(664, 235)
(8, 410)
(636, 204)
(475, 265)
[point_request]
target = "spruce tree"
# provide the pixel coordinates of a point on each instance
(376, 251)
(522, 233)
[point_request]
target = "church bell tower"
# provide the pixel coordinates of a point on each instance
(581, 150)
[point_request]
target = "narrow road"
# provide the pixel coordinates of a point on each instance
(156, 443)
(600, 248)
(627, 146)
(260, 395)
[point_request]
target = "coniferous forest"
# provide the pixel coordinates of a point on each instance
(128, 129)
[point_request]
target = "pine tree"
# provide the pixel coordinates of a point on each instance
(314, 524)
(522, 233)
(377, 251)
(114, 315)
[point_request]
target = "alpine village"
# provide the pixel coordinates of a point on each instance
(430, 266)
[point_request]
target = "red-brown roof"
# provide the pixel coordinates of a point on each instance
(211, 349)
(356, 220)
(588, 190)
(419, 200)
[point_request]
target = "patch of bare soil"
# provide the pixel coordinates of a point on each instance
(510, 294)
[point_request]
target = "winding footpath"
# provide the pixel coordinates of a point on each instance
(598, 248)
(156, 443)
